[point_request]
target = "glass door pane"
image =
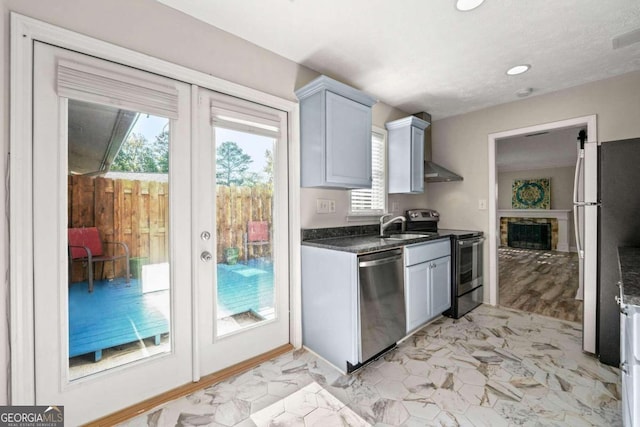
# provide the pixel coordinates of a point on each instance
(118, 237)
(244, 228)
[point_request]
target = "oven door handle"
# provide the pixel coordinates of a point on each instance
(471, 242)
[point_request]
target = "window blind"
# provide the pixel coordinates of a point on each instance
(373, 201)
(237, 114)
(151, 95)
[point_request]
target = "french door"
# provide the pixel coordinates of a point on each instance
(160, 252)
(241, 185)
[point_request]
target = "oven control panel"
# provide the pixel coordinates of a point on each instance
(423, 215)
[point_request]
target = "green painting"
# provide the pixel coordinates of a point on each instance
(531, 194)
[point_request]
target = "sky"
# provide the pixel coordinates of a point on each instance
(253, 145)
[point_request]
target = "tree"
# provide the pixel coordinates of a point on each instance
(134, 156)
(161, 151)
(268, 168)
(232, 164)
(137, 155)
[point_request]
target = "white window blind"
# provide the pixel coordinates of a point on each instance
(245, 116)
(373, 201)
(152, 95)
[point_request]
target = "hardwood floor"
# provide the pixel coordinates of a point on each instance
(538, 281)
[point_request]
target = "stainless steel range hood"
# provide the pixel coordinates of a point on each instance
(433, 172)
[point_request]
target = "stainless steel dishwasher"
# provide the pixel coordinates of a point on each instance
(382, 308)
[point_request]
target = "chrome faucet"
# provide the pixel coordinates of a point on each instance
(385, 225)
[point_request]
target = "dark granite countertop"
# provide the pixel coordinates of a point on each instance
(368, 243)
(629, 259)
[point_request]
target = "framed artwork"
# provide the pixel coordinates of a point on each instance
(531, 193)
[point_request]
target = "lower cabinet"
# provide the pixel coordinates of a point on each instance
(417, 295)
(330, 305)
(440, 285)
(331, 308)
(427, 281)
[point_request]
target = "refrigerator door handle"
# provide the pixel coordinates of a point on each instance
(577, 203)
(576, 226)
(576, 178)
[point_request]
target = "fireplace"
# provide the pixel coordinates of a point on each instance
(558, 218)
(529, 235)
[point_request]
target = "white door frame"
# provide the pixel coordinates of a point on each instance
(494, 236)
(24, 31)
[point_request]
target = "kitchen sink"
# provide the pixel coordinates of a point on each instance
(406, 236)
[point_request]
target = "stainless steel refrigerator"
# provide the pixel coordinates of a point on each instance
(608, 216)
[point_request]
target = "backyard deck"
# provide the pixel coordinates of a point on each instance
(117, 313)
(114, 313)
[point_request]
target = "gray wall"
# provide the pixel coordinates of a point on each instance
(561, 189)
(461, 143)
(561, 185)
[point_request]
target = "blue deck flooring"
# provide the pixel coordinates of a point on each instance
(117, 313)
(245, 287)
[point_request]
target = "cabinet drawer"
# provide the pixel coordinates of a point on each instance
(422, 252)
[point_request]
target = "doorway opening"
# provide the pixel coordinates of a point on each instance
(531, 183)
(537, 259)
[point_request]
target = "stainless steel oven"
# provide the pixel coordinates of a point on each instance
(469, 263)
(467, 291)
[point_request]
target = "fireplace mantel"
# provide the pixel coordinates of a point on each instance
(562, 215)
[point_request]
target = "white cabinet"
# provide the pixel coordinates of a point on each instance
(630, 364)
(406, 155)
(417, 295)
(427, 281)
(330, 304)
(335, 135)
(440, 285)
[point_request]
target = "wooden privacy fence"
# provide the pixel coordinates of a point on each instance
(235, 207)
(133, 212)
(137, 213)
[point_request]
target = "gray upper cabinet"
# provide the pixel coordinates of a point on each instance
(335, 133)
(406, 155)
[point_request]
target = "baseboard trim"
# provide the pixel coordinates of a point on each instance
(206, 381)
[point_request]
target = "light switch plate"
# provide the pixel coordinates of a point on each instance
(482, 204)
(324, 206)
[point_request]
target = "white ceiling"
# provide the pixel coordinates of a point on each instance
(554, 149)
(422, 55)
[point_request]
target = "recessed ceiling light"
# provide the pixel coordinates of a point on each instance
(518, 69)
(466, 5)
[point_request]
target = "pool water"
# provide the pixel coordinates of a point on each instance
(246, 286)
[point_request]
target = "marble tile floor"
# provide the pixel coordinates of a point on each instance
(539, 281)
(493, 367)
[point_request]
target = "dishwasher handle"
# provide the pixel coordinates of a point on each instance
(380, 261)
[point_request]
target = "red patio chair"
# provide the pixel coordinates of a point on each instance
(85, 246)
(257, 234)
